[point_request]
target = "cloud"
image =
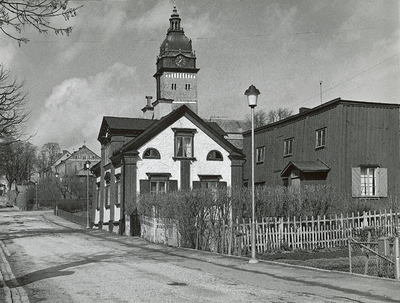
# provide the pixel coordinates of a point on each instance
(93, 23)
(153, 19)
(7, 53)
(74, 111)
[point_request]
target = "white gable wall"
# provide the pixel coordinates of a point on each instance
(164, 143)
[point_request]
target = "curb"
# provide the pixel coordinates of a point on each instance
(12, 295)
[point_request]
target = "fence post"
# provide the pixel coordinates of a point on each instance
(349, 244)
(397, 258)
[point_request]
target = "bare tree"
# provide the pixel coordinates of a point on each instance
(17, 161)
(48, 155)
(279, 114)
(71, 186)
(262, 118)
(13, 112)
(16, 14)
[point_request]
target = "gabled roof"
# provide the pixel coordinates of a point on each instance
(64, 155)
(123, 125)
(82, 149)
(229, 125)
(322, 107)
(305, 167)
(160, 125)
(217, 128)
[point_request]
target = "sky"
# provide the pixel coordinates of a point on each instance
(285, 48)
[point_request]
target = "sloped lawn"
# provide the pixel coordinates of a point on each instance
(330, 258)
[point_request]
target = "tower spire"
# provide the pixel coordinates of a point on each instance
(176, 71)
(175, 21)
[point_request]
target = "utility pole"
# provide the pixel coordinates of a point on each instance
(320, 90)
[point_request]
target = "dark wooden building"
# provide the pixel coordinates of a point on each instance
(352, 145)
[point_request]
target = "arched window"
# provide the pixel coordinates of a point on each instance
(151, 153)
(214, 155)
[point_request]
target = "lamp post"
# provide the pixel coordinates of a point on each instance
(56, 209)
(252, 95)
(87, 166)
(36, 196)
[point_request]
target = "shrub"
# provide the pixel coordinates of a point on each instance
(281, 201)
(197, 211)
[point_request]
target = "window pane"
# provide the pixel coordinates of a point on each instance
(260, 154)
(118, 192)
(184, 146)
(321, 137)
(368, 181)
(161, 187)
(179, 149)
(288, 147)
(153, 187)
(187, 143)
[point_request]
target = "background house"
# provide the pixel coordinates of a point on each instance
(351, 145)
(73, 164)
(51, 170)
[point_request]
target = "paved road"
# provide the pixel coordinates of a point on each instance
(44, 258)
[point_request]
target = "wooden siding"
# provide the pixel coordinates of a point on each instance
(357, 133)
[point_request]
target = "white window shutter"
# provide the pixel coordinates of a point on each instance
(356, 181)
(383, 182)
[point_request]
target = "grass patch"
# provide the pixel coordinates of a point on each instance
(330, 259)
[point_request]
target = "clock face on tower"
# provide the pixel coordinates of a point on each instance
(180, 61)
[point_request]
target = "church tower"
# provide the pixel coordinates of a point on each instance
(176, 74)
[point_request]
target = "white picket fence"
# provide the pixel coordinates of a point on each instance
(310, 233)
(277, 233)
(163, 231)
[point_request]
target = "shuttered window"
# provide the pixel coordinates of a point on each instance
(158, 184)
(210, 182)
(369, 182)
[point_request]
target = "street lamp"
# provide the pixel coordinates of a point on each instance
(36, 196)
(252, 95)
(86, 167)
(56, 209)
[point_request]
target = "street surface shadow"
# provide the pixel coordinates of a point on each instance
(51, 272)
(36, 233)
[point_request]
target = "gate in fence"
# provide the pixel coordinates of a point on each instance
(379, 258)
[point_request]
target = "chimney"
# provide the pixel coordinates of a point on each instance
(148, 110)
(304, 109)
(148, 98)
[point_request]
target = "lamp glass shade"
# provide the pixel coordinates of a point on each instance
(252, 95)
(252, 100)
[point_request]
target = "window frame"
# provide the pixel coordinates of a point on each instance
(157, 179)
(183, 133)
(118, 189)
(369, 184)
(98, 195)
(107, 194)
(320, 141)
(211, 182)
(288, 147)
(214, 155)
(156, 154)
(260, 154)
